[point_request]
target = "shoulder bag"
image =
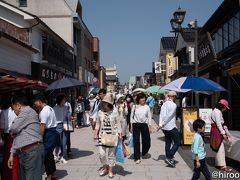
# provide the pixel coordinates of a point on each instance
(110, 140)
(216, 137)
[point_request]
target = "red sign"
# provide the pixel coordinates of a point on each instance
(21, 34)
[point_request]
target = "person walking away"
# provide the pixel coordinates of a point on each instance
(218, 121)
(107, 123)
(122, 110)
(48, 130)
(70, 112)
(130, 103)
(86, 112)
(7, 116)
(27, 141)
(151, 103)
(79, 111)
(167, 122)
(62, 115)
(141, 125)
(97, 107)
(199, 151)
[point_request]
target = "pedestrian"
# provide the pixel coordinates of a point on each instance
(130, 103)
(87, 109)
(167, 122)
(27, 141)
(219, 123)
(199, 151)
(97, 107)
(48, 130)
(69, 107)
(7, 116)
(79, 111)
(141, 125)
(107, 123)
(122, 110)
(62, 116)
(151, 103)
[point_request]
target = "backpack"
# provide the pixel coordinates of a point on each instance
(87, 105)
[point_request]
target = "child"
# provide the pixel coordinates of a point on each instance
(199, 151)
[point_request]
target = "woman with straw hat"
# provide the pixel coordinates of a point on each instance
(107, 123)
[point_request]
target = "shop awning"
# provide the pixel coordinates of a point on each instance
(13, 81)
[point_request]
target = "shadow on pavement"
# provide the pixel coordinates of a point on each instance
(161, 138)
(60, 174)
(76, 153)
(120, 171)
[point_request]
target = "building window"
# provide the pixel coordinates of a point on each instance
(75, 36)
(236, 27)
(225, 35)
(22, 3)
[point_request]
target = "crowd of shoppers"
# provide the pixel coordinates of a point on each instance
(40, 136)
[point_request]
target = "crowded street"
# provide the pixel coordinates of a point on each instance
(123, 89)
(84, 162)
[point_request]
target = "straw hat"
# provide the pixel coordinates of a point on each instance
(108, 99)
(119, 96)
(172, 93)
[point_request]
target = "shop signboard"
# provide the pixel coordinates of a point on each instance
(189, 115)
(205, 114)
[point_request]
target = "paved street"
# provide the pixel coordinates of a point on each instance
(84, 164)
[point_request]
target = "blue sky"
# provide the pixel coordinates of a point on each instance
(130, 30)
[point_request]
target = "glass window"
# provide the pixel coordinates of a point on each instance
(22, 3)
(215, 42)
(231, 32)
(219, 40)
(236, 30)
(225, 35)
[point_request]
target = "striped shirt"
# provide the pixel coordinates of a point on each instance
(108, 122)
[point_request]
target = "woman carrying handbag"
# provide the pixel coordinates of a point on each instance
(107, 131)
(218, 134)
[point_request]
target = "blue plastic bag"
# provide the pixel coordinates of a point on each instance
(131, 144)
(119, 155)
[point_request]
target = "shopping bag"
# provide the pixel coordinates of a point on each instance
(119, 155)
(128, 151)
(124, 149)
(131, 141)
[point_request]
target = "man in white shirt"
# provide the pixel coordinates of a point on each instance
(167, 122)
(48, 130)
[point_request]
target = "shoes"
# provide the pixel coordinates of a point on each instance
(146, 156)
(170, 162)
(57, 159)
(138, 161)
(103, 172)
(64, 161)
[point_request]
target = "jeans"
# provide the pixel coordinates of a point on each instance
(203, 168)
(31, 163)
(63, 135)
(171, 136)
(69, 142)
(141, 128)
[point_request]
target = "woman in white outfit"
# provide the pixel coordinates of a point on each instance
(217, 118)
(122, 109)
(107, 123)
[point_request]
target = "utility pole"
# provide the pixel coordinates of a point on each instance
(196, 60)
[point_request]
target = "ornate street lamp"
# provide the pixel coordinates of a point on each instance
(179, 15)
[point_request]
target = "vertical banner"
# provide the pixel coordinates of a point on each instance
(157, 67)
(189, 115)
(170, 60)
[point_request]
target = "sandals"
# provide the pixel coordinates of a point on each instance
(226, 169)
(110, 175)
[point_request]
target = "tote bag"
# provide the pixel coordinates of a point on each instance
(216, 137)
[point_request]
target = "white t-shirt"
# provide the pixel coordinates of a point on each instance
(141, 114)
(47, 116)
(6, 118)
